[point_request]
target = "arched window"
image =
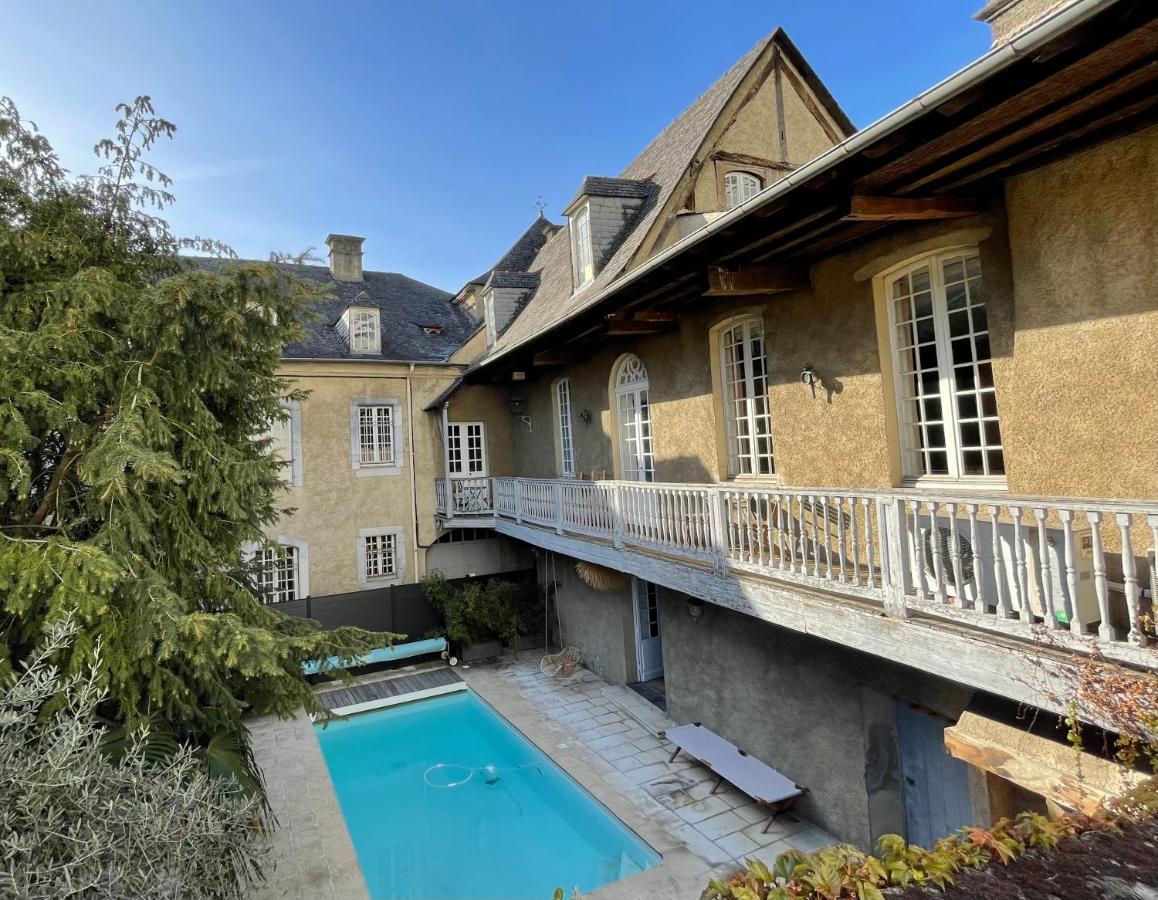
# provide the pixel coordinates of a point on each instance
(946, 398)
(744, 379)
(633, 411)
(740, 186)
(364, 331)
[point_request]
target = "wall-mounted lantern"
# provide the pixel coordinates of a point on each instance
(809, 377)
(585, 416)
(695, 609)
(519, 409)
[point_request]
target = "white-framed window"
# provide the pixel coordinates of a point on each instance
(739, 187)
(633, 411)
(744, 383)
(282, 571)
(376, 437)
(285, 436)
(380, 557)
(365, 335)
(466, 450)
(489, 314)
(943, 369)
(564, 432)
(581, 246)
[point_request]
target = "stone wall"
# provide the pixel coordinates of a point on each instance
(821, 714)
(599, 623)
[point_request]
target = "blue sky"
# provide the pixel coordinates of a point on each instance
(430, 127)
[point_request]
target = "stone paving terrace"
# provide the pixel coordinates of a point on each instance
(597, 733)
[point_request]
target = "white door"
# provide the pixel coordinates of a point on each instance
(648, 643)
(634, 420)
(466, 466)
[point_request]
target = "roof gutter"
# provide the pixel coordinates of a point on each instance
(1050, 26)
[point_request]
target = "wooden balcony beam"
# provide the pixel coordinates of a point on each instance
(864, 208)
(617, 328)
(763, 279)
(658, 316)
(556, 358)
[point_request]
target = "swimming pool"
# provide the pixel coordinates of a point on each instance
(444, 799)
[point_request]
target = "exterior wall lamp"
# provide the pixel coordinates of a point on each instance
(809, 377)
(695, 609)
(519, 410)
(585, 416)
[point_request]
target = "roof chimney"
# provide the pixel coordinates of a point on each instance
(1008, 18)
(345, 257)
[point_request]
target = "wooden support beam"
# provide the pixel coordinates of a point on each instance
(556, 358)
(767, 279)
(644, 315)
(617, 328)
(909, 209)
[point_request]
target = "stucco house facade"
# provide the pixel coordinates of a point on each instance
(872, 432)
(866, 419)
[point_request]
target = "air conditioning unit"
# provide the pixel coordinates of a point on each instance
(975, 575)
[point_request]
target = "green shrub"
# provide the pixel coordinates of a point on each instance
(843, 871)
(74, 822)
(477, 612)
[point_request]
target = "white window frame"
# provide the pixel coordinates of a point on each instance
(301, 550)
(632, 398)
(745, 464)
(946, 387)
(459, 432)
(564, 427)
(741, 186)
(489, 315)
(582, 250)
(365, 330)
(397, 534)
(293, 471)
(371, 469)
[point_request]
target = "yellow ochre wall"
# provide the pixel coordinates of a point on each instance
(1075, 348)
(332, 504)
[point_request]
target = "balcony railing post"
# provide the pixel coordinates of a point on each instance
(891, 515)
(718, 521)
(557, 490)
(616, 516)
(517, 490)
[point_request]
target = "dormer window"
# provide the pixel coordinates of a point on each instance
(581, 246)
(432, 329)
(740, 187)
(365, 334)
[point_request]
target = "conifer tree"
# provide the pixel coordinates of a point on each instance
(136, 391)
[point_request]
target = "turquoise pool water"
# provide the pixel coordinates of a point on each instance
(444, 799)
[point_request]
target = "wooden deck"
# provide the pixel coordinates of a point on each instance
(390, 691)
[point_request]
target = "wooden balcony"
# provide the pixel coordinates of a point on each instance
(949, 583)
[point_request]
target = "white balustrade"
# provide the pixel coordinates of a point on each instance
(463, 497)
(1016, 565)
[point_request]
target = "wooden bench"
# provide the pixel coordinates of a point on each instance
(729, 763)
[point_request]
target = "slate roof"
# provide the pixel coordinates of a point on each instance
(522, 253)
(598, 186)
(406, 307)
(663, 163)
(660, 167)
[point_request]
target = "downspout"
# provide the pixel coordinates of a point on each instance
(413, 474)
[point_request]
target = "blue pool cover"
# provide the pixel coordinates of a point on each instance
(381, 654)
(444, 799)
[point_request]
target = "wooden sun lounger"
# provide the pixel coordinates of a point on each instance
(759, 781)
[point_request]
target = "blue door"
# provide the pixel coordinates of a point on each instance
(936, 785)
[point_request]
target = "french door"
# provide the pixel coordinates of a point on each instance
(634, 419)
(466, 466)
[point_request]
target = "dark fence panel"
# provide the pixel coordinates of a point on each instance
(401, 608)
